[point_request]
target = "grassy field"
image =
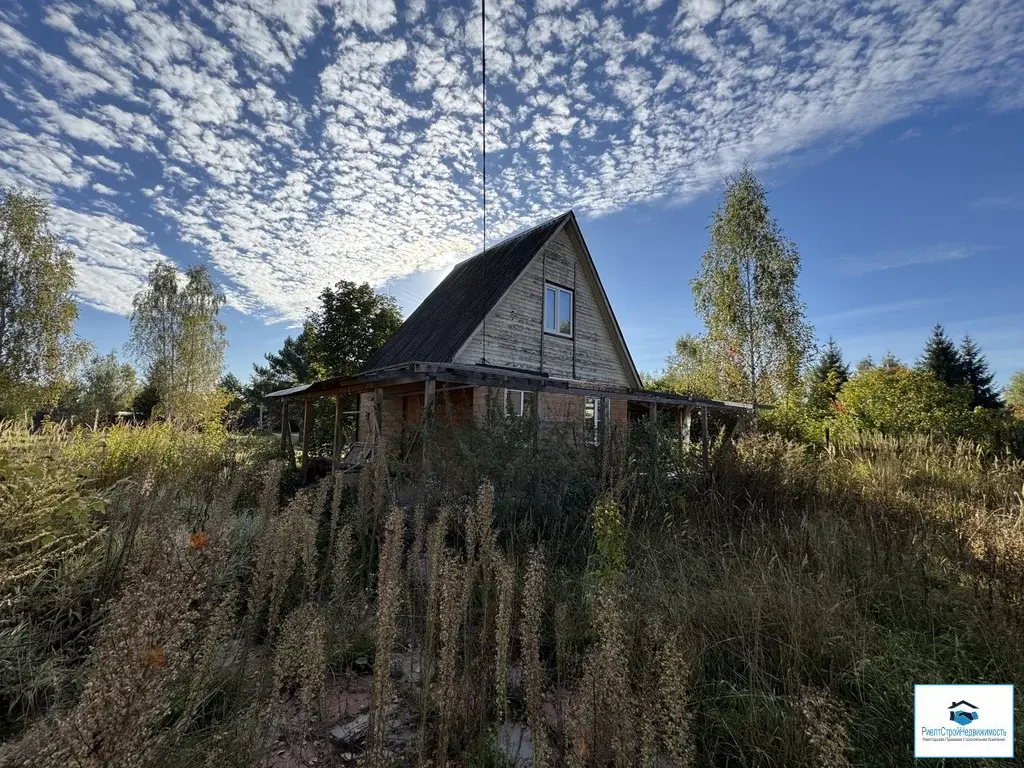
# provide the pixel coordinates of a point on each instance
(178, 598)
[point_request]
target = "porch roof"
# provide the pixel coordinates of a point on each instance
(492, 376)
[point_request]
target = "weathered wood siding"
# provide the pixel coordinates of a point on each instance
(513, 336)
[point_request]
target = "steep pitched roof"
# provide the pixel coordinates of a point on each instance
(436, 331)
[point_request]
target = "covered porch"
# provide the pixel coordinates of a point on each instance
(412, 392)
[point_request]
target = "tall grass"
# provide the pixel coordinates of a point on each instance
(194, 605)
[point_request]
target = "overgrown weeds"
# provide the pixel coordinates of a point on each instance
(776, 612)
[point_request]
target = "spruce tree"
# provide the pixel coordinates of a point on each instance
(831, 361)
(890, 362)
(977, 375)
(942, 359)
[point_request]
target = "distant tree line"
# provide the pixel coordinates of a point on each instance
(758, 348)
(177, 339)
(757, 345)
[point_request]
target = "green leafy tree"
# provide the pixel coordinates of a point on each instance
(702, 368)
(746, 293)
(866, 364)
(942, 360)
(978, 376)
(232, 386)
(351, 322)
(1015, 393)
(896, 400)
(37, 311)
(146, 400)
(107, 386)
(176, 330)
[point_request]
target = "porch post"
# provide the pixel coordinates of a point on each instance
(685, 423)
(705, 450)
(429, 397)
(284, 426)
(378, 411)
(288, 449)
(741, 427)
(307, 425)
(652, 420)
(336, 452)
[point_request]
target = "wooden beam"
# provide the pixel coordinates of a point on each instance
(307, 427)
(336, 447)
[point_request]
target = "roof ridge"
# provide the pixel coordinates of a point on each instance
(522, 233)
(447, 317)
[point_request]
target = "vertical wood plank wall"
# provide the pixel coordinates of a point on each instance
(515, 337)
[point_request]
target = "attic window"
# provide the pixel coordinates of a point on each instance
(557, 310)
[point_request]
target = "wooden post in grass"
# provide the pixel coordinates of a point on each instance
(685, 424)
(307, 426)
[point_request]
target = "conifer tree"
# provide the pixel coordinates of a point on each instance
(890, 362)
(977, 375)
(942, 359)
(830, 365)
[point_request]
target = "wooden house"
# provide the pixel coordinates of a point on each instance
(524, 328)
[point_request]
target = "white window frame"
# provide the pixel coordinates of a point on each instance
(560, 294)
(522, 403)
(593, 424)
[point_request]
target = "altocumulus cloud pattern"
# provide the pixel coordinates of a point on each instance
(293, 142)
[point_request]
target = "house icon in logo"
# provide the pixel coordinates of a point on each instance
(963, 712)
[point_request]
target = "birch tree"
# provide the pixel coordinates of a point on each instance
(176, 331)
(37, 311)
(746, 293)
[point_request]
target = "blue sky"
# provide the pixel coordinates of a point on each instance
(292, 143)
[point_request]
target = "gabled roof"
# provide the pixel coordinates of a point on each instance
(439, 327)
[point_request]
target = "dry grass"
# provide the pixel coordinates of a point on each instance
(776, 614)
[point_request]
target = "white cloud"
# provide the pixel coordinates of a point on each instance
(112, 257)
(1004, 202)
(853, 266)
(294, 142)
